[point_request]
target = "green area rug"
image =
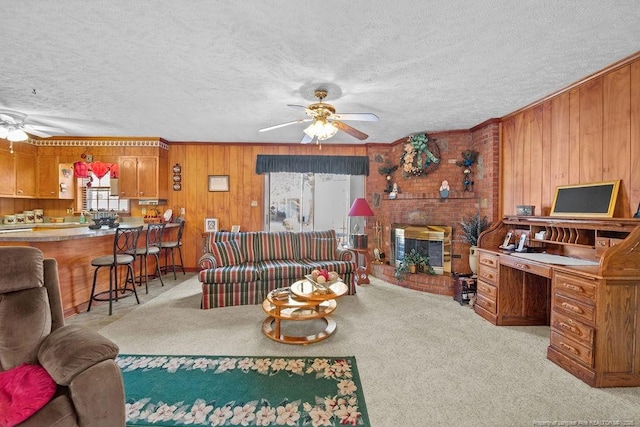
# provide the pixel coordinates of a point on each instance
(242, 390)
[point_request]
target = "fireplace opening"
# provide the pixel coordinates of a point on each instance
(433, 241)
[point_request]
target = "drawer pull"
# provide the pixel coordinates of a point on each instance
(487, 276)
(571, 307)
(573, 287)
(569, 348)
(570, 328)
(522, 266)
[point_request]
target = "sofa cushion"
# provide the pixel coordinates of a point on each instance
(246, 242)
(282, 269)
(306, 241)
(324, 249)
(23, 391)
(247, 272)
(277, 245)
(227, 253)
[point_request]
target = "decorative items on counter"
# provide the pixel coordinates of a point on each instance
(26, 217)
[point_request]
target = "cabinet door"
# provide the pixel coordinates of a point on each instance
(128, 174)
(48, 177)
(147, 177)
(25, 175)
(7, 174)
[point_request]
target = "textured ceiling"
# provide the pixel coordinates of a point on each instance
(218, 71)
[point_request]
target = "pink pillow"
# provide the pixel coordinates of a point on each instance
(23, 391)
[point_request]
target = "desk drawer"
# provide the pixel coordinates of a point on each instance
(572, 349)
(524, 265)
(485, 302)
(489, 275)
(573, 308)
(488, 260)
(486, 290)
(575, 287)
(566, 325)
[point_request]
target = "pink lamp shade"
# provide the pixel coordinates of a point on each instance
(360, 207)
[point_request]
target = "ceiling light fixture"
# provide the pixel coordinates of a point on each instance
(17, 135)
(321, 129)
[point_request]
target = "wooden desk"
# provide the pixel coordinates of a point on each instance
(592, 310)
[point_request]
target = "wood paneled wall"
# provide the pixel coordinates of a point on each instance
(587, 133)
(199, 160)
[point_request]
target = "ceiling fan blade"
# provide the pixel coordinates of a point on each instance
(12, 117)
(351, 131)
(36, 132)
(284, 124)
(362, 117)
(306, 139)
(42, 128)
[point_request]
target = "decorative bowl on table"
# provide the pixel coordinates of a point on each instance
(324, 286)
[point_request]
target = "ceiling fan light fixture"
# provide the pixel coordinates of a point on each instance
(17, 135)
(321, 129)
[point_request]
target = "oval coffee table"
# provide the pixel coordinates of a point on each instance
(304, 302)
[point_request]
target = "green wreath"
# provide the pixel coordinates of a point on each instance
(420, 156)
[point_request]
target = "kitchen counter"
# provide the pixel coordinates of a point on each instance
(56, 232)
(73, 246)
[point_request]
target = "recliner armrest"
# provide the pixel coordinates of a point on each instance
(71, 349)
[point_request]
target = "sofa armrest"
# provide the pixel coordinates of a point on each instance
(71, 349)
(345, 255)
(207, 261)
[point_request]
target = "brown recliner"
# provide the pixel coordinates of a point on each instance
(90, 387)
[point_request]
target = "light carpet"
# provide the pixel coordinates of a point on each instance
(424, 360)
(244, 390)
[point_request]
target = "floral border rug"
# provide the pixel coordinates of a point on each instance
(242, 391)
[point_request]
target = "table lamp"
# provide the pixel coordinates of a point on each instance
(360, 208)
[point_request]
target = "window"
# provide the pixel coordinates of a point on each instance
(97, 195)
(311, 201)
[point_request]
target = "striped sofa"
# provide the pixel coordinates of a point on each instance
(242, 268)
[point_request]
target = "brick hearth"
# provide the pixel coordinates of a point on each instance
(420, 282)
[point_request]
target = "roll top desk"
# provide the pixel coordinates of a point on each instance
(593, 308)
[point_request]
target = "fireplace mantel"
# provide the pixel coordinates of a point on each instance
(434, 195)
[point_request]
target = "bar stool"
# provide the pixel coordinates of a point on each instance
(170, 246)
(125, 242)
(151, 247)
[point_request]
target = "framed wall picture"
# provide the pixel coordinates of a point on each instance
(218, 182)
(210, 224)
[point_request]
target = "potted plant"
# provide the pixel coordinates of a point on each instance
(412, 262)
(472, 227)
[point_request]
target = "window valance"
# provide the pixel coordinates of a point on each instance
(340, 165)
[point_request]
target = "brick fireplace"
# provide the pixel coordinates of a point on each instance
(419, 203)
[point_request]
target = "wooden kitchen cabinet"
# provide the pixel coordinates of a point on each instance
(55, 180)
(7, 174)
(18, 172)
(141, 177)
(26, 174)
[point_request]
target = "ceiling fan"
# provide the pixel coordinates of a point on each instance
(13, 127)
(326, 122)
